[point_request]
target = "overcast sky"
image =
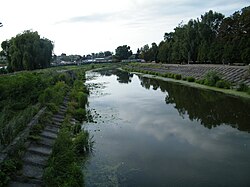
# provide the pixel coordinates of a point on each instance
(85, 26)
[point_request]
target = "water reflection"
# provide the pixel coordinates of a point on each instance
(208, 107)
(122, 76)
(142, 141)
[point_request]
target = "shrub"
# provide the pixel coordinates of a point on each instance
(46, 96)
(76, 128)
(200, 81)
(52, 107)
(7, 168)
(242, 87)
(177, 76)
(36, 129)
(80, 114)
(184, 78)
(45, 118)
(211, 78)
(71, 107)
(62, 169)
(82, 143)
(248, 91)
(222, 84)
(82, 99)
(190, 79)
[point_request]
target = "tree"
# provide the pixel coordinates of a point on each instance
(123, 52)
(27, 51)
(107, 53)
(145, 54)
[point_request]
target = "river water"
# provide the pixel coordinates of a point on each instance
(153, 133)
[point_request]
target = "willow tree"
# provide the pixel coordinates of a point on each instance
(27, 51)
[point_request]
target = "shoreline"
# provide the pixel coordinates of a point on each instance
(230, 92)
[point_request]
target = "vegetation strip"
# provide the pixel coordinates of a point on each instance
(211, 80)
(23, 94)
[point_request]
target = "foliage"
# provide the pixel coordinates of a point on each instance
(211, 78)
(149, 53)
(82, 143)
(10, 129)
(177, 76)
(62, 169)
(243, 87)
(222, 84)
(190, 79)
(212, 38)
(27, 51)
(7, 168)
(123, 52)
(53, 94)
(52, 107)
(82, 99)
(80, 114)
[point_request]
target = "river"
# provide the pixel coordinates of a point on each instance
(153, 133)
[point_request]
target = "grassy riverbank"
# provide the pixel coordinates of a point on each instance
(219, 85)
(22, 95)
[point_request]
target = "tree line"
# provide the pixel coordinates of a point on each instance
(27, 51)
(212, 38)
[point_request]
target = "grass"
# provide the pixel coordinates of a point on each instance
(63, 169)
(72, 143)
(24, 93)
(219, 85)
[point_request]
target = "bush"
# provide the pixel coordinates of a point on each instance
(242, 87)
(7, 168)
(36, 129)
(62, 169)
(52, 107)
(82, 99)
(222, 84)
(80, 114)
(248, 91)
(211, 78)
(76, 128)
(47, 96)
(200, 81)
(184, 78)
(82, 143)
(190, 79)
(177, 76)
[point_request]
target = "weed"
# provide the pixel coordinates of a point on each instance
(242, 87)
(222, 84)
(190, 79)
(177, 76)
(211, 78)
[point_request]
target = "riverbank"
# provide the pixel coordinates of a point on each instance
(199, 86)
(231, 92)
(233, 74)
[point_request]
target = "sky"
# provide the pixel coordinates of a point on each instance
(86, 26)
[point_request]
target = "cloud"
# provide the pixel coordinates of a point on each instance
(99, 17)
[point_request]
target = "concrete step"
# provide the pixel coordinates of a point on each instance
(56, 119)
(53, 129)
(46, 141)
(32, 171)
(23, 184)
(35, 159)
(58, 116)
(58, 124)
(39, 149)
(49, 134)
